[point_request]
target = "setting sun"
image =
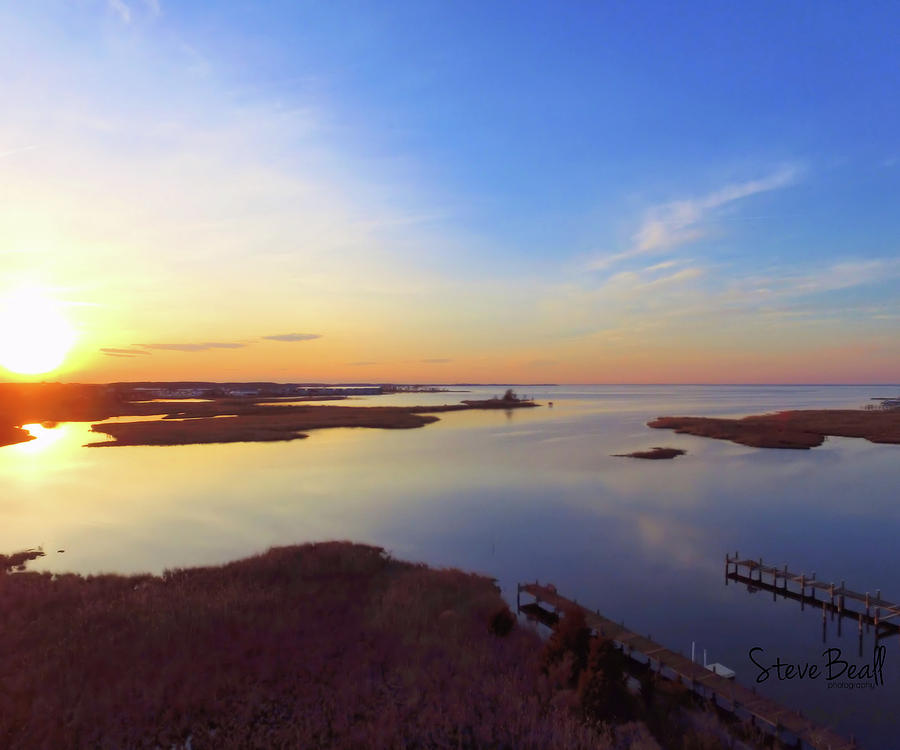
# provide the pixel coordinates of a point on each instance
(35, 337)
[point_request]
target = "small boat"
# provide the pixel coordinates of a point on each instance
(715, 667)
(721, 670)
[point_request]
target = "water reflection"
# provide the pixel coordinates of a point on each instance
(45, 436)
(534, 494)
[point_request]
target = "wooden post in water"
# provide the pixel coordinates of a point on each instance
(843, 589)
(759, 577)
(867, 604)
(802, 590)
(813, 587)
(785, 577)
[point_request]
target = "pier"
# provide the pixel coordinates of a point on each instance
(788, 726)
(870, 609)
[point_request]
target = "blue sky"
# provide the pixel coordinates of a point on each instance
(534, 191)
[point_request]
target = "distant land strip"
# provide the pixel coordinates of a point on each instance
(801, 429)
(213, 420)
(273, 423)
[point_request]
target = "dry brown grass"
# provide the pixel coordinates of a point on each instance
(327, 645)
(791, 429)
(276, 423)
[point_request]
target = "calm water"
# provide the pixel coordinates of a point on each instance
(533, 494)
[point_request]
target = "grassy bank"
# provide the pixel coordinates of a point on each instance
(329, 645)
(326, 645)
(791, 429)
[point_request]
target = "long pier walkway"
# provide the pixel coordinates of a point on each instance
(877, 612)
(789, 726)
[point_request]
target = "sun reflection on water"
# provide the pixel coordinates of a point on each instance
(45, 435)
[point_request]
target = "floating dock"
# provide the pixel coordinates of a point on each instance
(790, 727)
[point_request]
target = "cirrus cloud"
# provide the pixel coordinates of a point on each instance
(679, 222)
(202, 347)
(114, 352)
(293, 337)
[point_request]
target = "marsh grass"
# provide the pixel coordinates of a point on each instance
(326, 645)
(332, 645)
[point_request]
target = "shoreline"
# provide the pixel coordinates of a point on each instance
(797, 429)
(215, 420)
(329, 644)
(278, 423)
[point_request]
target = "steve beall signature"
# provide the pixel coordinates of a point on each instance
(832, 669)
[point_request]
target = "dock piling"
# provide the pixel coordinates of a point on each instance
(752, 572)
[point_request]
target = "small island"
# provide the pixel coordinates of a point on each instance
(653, 453)
(801, 429)
(509, 400)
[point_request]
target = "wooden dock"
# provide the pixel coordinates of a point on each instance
(790, 727)
(875, 611)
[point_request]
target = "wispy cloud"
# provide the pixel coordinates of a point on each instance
(14, 151)
(361, 364)
(661, 266)
(779, 284)
(680, 222)
(202, 347)
(437, 361)
(121, 9)
(679, 277)
(113, 352)
(293, 337)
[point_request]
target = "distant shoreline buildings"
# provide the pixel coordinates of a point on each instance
(180, 390)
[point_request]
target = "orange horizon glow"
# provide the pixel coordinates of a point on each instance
(198, 233)
(270, 363)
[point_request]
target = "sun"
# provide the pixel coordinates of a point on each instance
(35, 337)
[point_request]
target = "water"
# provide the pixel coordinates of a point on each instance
(529, 494)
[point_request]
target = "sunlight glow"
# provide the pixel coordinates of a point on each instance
(44, 437)
(35, 337)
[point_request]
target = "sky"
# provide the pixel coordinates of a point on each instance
(577, 192)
